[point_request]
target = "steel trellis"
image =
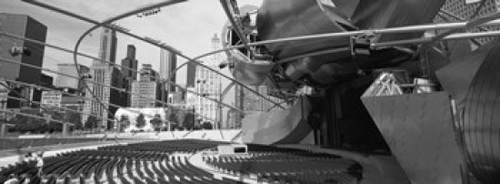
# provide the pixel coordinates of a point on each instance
(53, 8)
(91, 57)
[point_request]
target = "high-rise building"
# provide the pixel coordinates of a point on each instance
(46, 81)
(63, 81)
(191, 75)
(168, 63)
(33, 53)
(129, 75)
(209, 84)
(130, 62)
(107, 48)
(148, 87)
(104, 75)
(56, 98)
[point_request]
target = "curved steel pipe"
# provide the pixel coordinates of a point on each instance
(404, 29)
(34, 2)
(88, 56)
(126, 15)
(77, 45)
(98, 24)
(91, 57)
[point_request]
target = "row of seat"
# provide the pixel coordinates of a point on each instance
(141, 163)
(168, 162)
(285, 165)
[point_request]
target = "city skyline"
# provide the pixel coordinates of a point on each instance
(195, 22)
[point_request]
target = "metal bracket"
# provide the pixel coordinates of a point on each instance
(361, 44)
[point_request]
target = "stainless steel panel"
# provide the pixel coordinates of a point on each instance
(481, 118)
(419, 130)
(457, 77)
(249, 72)
(278, 127)
(287, 18)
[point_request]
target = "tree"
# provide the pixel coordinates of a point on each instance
(124, 122)
(207, 125)
(140, 121)
(75, 119)
(30, 124)
(156, 122)
(173, 120)
(188, 121)
(91, 123)
(55, 126)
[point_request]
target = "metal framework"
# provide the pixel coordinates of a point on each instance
(145, 39)
(101, 84)
(451, 34)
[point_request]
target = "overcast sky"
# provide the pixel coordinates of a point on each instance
(187, 26)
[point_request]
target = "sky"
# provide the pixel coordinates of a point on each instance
(187, 26)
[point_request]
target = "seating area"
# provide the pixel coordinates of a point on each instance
(169, 162)
(149, 162)
(280, 165)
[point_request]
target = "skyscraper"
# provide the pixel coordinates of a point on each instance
(209, 84)
(190, 75)
(168, 63)
(148, 87)
(24, 26)
(63, 81)
(105, 75)
(129, 75)
(130, 62)
(107, 49)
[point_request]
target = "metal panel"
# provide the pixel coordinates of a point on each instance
(458, 75)
(287, 18)
(481, 118)
(419, 130)
(249, 72)
(278, 127)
